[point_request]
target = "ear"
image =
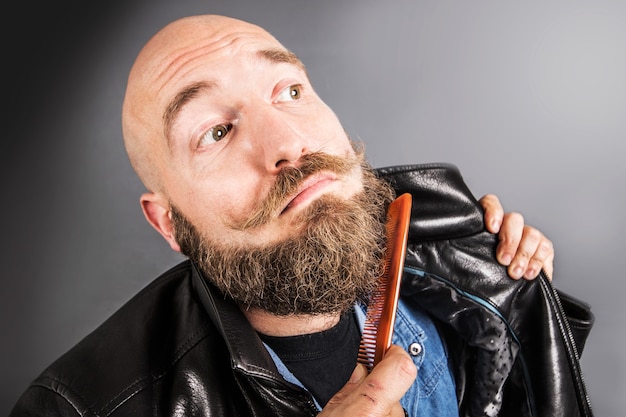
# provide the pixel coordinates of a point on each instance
(157, 212)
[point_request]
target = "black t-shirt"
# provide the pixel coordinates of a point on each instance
(322, 361)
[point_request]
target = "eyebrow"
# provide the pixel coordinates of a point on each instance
(276, 56)
(281, 56)
(177, 103)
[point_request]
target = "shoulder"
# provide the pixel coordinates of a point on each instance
(131, 350)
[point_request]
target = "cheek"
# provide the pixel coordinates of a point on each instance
(215, 198)
(337, 138)
(328, 136)
(217, 206)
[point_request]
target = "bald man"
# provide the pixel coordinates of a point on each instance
(252, 177)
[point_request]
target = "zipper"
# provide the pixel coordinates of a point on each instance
(573, 356)
(564, 330)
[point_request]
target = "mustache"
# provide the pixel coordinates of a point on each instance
(288, 182)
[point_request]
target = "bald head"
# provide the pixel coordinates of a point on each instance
(215, 110)
(177, 58)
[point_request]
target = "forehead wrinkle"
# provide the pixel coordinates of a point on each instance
(229, 44)
(175, 106)
(272, 55)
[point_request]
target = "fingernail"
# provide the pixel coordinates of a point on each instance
(357, 374)
(518, 271)
(506, 259)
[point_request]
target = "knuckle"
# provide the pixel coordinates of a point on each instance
(407, 368)
(490, 200)
(489, 197)
(545, 247)
(516, 217)
(512, 233)
(534, 265)
(532, 235)
(522, 257)
(523, 253)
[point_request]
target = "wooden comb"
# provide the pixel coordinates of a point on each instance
(381, 309)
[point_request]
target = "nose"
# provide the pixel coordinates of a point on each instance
(279, 138)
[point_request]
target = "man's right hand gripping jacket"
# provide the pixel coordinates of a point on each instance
(515, 344)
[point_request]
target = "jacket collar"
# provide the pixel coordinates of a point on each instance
(247, 352)
(443, 206)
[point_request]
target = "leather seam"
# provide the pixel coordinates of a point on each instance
(39, 382)
(180, 352)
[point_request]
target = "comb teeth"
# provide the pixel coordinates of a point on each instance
(375, 310)
(381, 309)
(367, 348)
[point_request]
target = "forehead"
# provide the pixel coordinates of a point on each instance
(201, 51)
(184, 47)
(186, 51)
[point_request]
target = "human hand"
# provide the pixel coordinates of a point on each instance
(524, 249)
(378, 393)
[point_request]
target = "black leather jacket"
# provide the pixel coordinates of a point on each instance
(178, 348)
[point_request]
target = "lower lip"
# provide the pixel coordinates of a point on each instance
(308, 194)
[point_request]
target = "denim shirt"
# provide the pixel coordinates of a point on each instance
(433, 392)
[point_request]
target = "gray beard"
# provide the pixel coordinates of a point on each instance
(331, 264)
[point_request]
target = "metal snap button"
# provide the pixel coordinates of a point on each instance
(415, 349)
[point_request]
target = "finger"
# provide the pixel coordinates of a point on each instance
(494, 213)
(358, 375)
(398, 411)
(509, 239)
(389, 380)
(379, 392)
(542, 258)
(521, 265)
(548, 266)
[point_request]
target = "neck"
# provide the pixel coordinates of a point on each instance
(293, 325)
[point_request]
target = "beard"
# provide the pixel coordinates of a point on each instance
(332, 262)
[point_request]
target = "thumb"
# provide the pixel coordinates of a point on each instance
(358, 375)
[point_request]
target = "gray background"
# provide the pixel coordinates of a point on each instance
(527, 98)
